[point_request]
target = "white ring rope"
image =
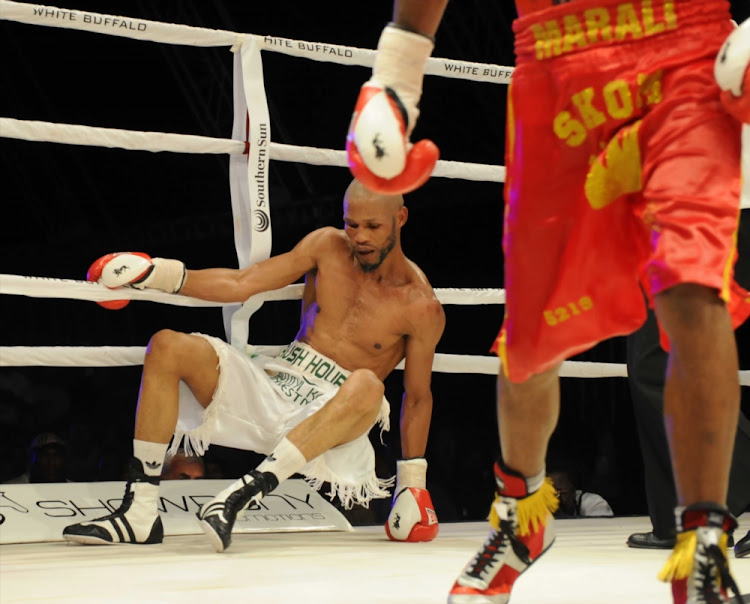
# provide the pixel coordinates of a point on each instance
(124, 356)
(44, 287)
(172, 33)
(73, 134)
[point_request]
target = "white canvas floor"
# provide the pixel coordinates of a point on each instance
(589, 564)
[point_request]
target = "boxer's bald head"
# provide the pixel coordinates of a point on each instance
(357, 193)
(373, 222)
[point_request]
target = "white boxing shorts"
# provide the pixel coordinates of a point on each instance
(259, 399)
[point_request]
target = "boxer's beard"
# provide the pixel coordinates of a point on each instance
(384, 251)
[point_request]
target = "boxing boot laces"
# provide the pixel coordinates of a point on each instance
(698, 567)
(522, 530)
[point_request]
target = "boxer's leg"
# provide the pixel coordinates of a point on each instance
(349, 414)
(521, 515)
(701, 405)
(171, 357)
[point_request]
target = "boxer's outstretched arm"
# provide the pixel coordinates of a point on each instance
(237, 285)
(139, 271)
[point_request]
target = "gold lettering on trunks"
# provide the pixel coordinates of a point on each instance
(620, 22)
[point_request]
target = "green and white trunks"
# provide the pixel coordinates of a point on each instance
(259, 399)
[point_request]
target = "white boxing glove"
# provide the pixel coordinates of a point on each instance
(412, 516)
(136, 270)
(378, 148)
(732, 72)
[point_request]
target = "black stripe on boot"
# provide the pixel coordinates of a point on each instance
(115, 527)
(218, 515)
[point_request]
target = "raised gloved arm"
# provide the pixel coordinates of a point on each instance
(379, 151)
(732, 71)
(412, 516)
(136, 270)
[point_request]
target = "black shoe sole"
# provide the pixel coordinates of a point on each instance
(654, 543)
(87, 540)
(96, 534)
(213, 536)
(667, 546)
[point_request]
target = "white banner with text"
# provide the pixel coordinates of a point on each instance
(31, 513)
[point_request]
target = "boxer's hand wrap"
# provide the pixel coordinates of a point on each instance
(732, 72)
(379, 152)
(136, 270)
(412, 516)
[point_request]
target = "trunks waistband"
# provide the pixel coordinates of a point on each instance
(584, 24)
(305, 359)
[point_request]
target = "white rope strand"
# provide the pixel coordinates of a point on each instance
(128, 356)
(71, 356)
(45, 287)
(113, 25)
(172, 33)
(74, 134)
(123, 356)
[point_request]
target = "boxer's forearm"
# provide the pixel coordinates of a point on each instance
(416, 415)
(421, 16)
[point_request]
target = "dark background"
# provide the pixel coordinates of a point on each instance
(65, 206)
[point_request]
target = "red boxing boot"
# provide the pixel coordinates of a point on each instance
(522, 530)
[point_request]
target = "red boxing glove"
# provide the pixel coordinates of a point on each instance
(412, 516)
(379, 152)
(136, 270)
(386, 163)
(142, 264)
(732, 72)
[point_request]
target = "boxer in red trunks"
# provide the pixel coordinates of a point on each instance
(627, 181)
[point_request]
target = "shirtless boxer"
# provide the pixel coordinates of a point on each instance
(623, 172)
(365, 308)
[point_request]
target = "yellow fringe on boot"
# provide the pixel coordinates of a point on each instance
(532, 510)
(680, 563)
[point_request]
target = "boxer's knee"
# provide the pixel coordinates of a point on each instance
(688, 309)
(536, 384)
(164, 348)
(177, 352)
(364, 392)
(174, 356)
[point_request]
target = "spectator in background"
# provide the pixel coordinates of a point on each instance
(181, 466)
(574, 502)
(48, 461)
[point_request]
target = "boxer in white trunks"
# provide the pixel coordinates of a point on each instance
(365, 308)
